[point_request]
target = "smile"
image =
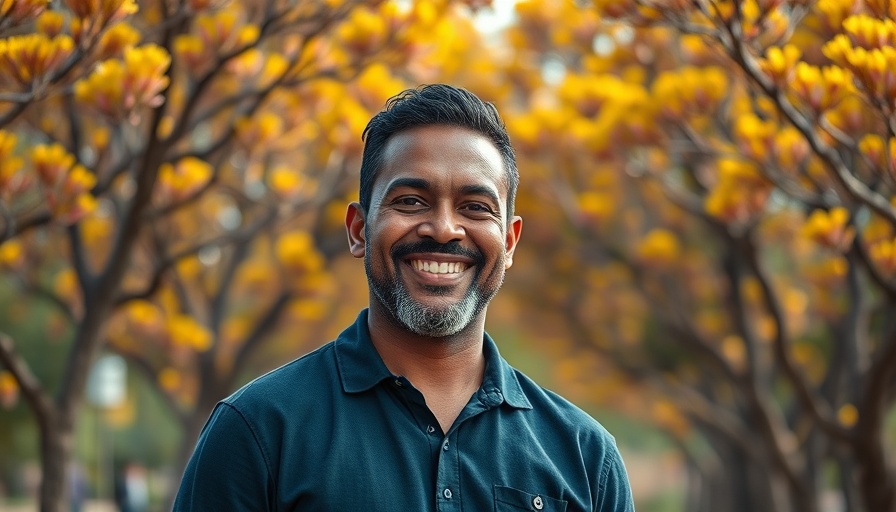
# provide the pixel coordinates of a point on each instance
(435, 267)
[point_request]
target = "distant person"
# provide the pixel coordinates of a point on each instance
(132, 488)
(412, 408)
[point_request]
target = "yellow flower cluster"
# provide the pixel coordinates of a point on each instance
(868, 50)
(363, 31)
(12, 254)
(50, 23)
(9, 389)
(286, 182)
(185, 331)
(18, 11)
(259, 130)
(118, 87)
(12, 178)
(881, 155)
(821, 88)
(659, 248)
(28, 58)
(883, 254)
(102, 11)
(690, 90)
(115, 40)
(217, 32)
(740, 193)
(754, 135)
(779, 62)
(186, 176)
(830, 228)
(296, 252)
(66, 183)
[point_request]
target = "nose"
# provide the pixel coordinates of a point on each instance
(442, 225)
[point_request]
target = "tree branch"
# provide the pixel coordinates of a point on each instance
(31, 387)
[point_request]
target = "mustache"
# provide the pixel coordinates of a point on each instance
(453, 248)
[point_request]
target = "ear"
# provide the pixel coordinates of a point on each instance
(354, 226)
(513, 237)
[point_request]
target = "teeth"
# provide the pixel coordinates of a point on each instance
(435, 267)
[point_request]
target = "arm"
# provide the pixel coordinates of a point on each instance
(228, 470)
(615, 492)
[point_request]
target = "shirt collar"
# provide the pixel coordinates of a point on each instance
(361, 367)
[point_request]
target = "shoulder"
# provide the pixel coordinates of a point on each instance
(551, 406)
(295, 381)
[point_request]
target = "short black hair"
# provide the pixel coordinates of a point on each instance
(435, 104)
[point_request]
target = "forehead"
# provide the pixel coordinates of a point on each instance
(443, 154)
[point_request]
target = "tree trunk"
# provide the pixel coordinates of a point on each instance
(57, 439)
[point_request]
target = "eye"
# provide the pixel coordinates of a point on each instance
(478, 208)
(408, 203)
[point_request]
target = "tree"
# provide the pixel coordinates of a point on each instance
(164, 176)
(717, 184)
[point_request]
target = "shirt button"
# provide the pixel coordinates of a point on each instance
(430, 429)
(537, 503)
(445, 446)
(398, 383)
(447, 493)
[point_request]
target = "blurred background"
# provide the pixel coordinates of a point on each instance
(708, 263)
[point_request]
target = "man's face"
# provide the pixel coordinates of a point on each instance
(436, 241)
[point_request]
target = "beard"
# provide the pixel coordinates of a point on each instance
(434, 321)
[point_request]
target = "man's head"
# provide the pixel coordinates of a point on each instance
(436, 104)
(435, 226)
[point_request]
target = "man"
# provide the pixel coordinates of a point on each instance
(412, 408)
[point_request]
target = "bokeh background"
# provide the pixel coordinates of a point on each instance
(708, 261)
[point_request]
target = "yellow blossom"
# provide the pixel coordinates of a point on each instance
(66, 283)
(779, 62)
(848, 415)
(19, 11)
(660, 246)
(185, 331)
(119, 86)
(294, 248)
(184, 177)
(791, 148)
(190, 49)
(821, 88)
(13, 179)
(868, 32)
(9, 389)
(363, 31)
(285, 182)
(28, 58)
(170, 379)
(51, 162)
(883, 254)
(830, 228)
(50, 23)
(873, 148)
(596, 206)
(260, 129)
(102, 12)
(754, 135)
(116, 39)
(12, 254)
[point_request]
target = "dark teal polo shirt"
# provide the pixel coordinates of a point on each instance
(336, 431)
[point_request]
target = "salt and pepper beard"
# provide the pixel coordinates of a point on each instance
(430, 321)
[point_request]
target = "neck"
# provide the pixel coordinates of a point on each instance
(446, 370)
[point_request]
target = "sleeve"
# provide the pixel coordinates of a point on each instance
(616, 492)
(228, 470)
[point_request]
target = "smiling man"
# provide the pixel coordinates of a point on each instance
(412, 408)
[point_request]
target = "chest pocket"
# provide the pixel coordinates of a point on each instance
(508, 499)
